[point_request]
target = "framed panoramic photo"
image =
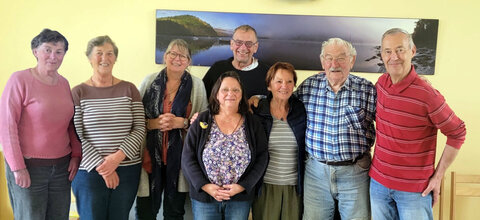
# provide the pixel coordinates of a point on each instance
(292, 38)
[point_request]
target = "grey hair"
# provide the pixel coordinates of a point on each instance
(399, 30)
(181, 45)
(246, 28)
(100, 41)
(338, 41)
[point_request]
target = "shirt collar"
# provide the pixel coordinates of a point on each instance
(407, 81)
(252, 66)
(326, 86)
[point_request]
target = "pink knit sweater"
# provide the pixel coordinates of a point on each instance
(36, 120)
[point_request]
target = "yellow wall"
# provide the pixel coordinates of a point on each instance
(5, 211)
(131, 25)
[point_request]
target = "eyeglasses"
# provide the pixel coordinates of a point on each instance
(172, 55)
(234, 90)
(340, 59)
(248, 44)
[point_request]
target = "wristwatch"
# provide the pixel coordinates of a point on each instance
(185, 123)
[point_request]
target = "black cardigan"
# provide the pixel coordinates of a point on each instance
(194, 169)
(297, 120)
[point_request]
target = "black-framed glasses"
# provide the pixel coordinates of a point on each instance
(248, 44)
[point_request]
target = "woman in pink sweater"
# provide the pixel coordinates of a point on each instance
(42, 150)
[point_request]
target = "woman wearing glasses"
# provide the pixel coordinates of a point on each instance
(225, 154)
(170, 98)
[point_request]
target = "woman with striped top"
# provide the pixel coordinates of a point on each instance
(109, 119)
(284, 119)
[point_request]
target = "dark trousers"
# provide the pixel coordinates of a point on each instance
(48, 196)
(173, 204)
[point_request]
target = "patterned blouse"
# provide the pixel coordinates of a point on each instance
(226, 156)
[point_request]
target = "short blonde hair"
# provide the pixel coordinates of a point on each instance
(181, 45)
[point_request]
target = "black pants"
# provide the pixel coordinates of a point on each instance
(173, 205)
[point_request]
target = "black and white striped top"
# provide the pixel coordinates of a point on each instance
(108, 119)
(283, 150)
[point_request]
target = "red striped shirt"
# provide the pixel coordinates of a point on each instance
(408, 116)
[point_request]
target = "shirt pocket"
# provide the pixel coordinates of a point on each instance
(354, 117)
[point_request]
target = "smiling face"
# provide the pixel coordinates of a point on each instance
(230, 93)
(50, 55)
(397, 55)
(242, 55)
(337, 62)
(102, 58)
(282, 85)
(176, 60)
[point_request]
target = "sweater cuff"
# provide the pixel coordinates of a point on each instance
(455, 143)
(16, 165)
(93, 164)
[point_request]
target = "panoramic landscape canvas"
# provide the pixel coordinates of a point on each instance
(292, 38)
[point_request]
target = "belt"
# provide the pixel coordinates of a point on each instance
(343, 163)
(37, 162)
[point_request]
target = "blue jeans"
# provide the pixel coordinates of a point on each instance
(325, 184)
(394, 205)
(227, 210)
(96, 201)
(48, 196)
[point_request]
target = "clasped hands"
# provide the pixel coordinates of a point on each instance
(107, 169)
(221, 193)
(165, 122)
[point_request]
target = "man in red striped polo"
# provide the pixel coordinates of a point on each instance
(405, 183)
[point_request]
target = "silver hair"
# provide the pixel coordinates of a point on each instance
(246, 28)
(399, 30)
(338, 41)
(100, 41)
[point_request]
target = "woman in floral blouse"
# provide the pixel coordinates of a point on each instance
(225, 154)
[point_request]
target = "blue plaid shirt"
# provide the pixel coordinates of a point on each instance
(339, 126)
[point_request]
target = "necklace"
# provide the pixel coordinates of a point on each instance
(228, 122)
(238, 124)
(170, 93)
(93, 84)
(279, 112)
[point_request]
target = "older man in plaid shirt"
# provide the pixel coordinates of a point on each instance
(340, 132)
